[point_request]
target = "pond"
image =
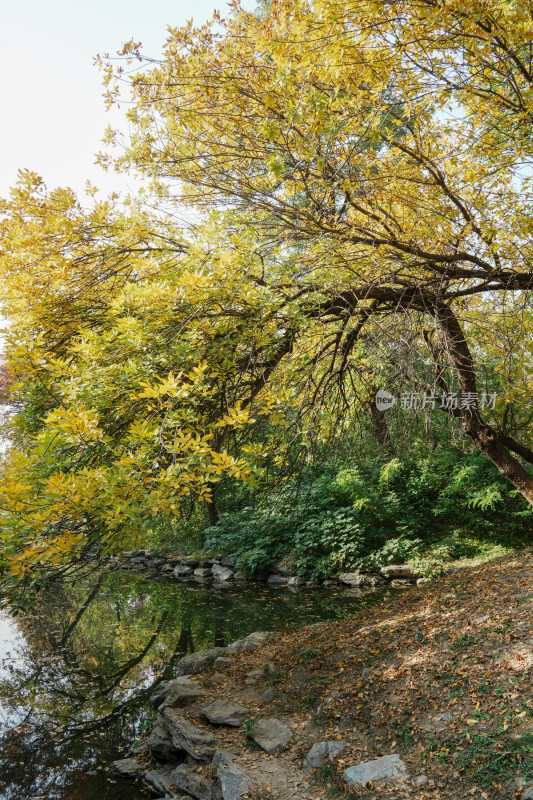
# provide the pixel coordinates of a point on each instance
(77, 672)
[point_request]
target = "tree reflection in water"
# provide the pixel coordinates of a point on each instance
(75, 683)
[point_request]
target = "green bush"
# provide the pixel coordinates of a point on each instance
(433, 509)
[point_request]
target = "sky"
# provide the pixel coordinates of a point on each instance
(53, 113)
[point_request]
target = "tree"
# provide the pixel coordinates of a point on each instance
(357, 166)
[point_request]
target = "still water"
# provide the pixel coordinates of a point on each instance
(76, 673)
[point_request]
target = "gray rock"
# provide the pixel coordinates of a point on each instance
(366, 672)
(217, 677)
(197, 742)
(400, 583)
(330, 582)
(221, 573)
(191, 784)
(420, 780)
(296, 580)
(250, 642)
(128, 768)
(386, 768)
(222, 662)
(322, 752)
(234, 783)
(228, 561)
(167, 568)
(224, 712)
(277, 580)
(271, 735)
(269, 694)
(400, 571)
(161, 746)
(312, 584)
(239, 576)
(160, 780)
(197, 662)
(179, 693)
(528, 794)
(202, 572)
(358, 579)
(189, 562)
(181, 571)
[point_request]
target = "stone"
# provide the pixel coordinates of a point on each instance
(129, 768)
(528, 794)
(179, 693)
(250, 642)
(239, 576)
(189, 562)
(279, 568)
(296, 580)
(269, 694)
(202, 572)
(358, 579)
(321, 753)
(167, 568)
(271, 735)
(217, 677)
(221, 573)
(420, 780)
(400, 571)
(312, 584)
(401, 582)
(160, 780)
(422, 581)
(223, 662)
(198, 662)
(191, 784)
(224, 712)
(387, 768)
(197, 742)
(277, 580)
(330, 582)
(366, 672)
(181, 571)
(234, 783)
(228, 561)
(161, 746)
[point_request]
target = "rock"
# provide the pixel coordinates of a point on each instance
(400, 571)
(191, 784)
(239, 576)
(128, 768)
(322, 752)
(277, 580)
(202, 572)
(278, 568)
(269, 694)
(386, 768)
(228, 561)
(366, 672)
(197, 662)
(312, 584)
(401, 582)
(250, 642)
(161, 746)
(234, 783)
(223, 712)
(420, 780)
(271, 735)
(265, 671)
(181, 571)
(197, 742)
(160, 562)
(330, 582)
(221, 573)
(358, 579)
(223, 662)
(422, 581)
(217, 677)
(160, 780)
(189, 562)
(296, 580)
(167, 568)
(128, 553)
(528, 794)
(178, 693)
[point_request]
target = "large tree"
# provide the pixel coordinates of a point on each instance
(354, 167)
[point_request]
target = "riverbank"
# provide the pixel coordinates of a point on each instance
(440, 680)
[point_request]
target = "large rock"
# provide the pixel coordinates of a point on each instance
(527, 795)
(250, 642)
(197, 742)
(358, 579)
(221, 573)
(197, 662)
(400, 571)
(277, 580)
(234, 783)
(271, 735)
(161, 746)
(129, 768)
(189, 562)
(160, 780)
(223, 712)
(296, 580)
(181, 571)
(322, 752)
(202, 572)
(178, 693)
(191, 784)
(385, 769)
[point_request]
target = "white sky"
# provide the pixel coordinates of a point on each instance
(53, 114)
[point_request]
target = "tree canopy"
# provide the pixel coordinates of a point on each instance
(360, 175)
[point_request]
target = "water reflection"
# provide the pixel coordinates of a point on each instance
(76, 673)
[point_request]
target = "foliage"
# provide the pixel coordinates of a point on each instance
(429, 509)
